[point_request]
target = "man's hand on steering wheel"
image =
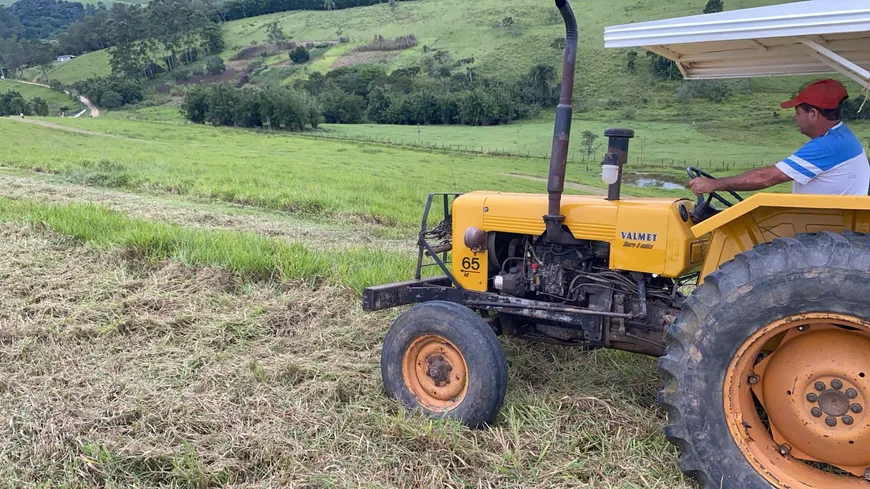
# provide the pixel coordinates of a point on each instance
(704, 183)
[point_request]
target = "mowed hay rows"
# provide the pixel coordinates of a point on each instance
(117, 372)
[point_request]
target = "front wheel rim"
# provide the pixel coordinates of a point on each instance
(435, 373)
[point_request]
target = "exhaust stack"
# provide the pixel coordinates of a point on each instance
(554, 219)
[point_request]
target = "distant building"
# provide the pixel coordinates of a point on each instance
(64, 58)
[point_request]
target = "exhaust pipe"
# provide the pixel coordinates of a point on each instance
(554, 219)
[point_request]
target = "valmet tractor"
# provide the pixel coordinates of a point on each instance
(766, 363)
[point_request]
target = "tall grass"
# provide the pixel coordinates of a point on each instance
(249, 256)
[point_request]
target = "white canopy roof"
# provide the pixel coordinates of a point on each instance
(809, 37)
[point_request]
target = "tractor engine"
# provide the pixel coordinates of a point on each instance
(632, 309)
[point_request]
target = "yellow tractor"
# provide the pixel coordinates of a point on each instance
(766, 363)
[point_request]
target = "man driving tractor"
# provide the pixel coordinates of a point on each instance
(833, 162)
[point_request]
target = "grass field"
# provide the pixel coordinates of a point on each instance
(177, 312)
(82, 67)
(180, 308)
(55, 99)
(655, 143)
(367, 183)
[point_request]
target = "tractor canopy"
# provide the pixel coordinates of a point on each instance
(802, 38)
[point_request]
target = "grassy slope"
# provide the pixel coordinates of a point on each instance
(54, 98)
(693, 143)
(366, 183)
(82, 67)
(465, 30)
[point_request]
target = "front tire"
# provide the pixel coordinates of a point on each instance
(442, 358)
(765, 362)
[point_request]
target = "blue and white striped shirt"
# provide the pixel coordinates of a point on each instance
(833, 164)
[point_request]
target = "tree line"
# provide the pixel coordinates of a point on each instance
(241, 9)
(13, 103)
(366, 92)
(42, 19)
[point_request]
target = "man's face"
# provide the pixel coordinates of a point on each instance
(805, 120)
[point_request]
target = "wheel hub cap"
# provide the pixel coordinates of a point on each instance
(813, 388)
(435, 373)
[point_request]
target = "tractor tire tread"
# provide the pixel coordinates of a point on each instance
(847, 250)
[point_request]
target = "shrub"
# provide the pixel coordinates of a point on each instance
(628, 113)
(111, 99)
(299, 55)
(713, 90)
(380, 43)
(215, 65)
(181, 74)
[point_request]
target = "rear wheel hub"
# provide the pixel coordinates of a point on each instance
(810, 371)
(796, 395)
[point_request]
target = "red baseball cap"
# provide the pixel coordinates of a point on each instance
(825, 94)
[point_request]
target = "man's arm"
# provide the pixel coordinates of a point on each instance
(757, 179)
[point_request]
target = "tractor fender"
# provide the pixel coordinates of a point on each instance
(762, 218)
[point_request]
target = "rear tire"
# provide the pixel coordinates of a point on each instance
(823, 273)
(442, 358)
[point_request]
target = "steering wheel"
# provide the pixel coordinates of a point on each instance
(703, 209)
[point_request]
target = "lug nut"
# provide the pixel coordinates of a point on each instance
(820, 386)
(847, 419)
(812, 397)
(836, 384)
(784, 449)
(856, 408)
(831, 421)
(753, 379)
(817, 412)
(851, 393)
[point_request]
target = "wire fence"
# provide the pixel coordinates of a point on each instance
(590, 162)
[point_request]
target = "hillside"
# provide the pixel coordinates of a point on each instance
(55, 99)
(475, 30)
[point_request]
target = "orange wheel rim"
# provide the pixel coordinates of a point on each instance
(435, 373)
(796, 395)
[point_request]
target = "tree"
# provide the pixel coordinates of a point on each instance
(542, 79)
(394, 4)
(329, 4)
(274, 33)
(195, 105)
(587, 141)
(12, 103)
(111, 99)
(663, 68)
(215, 65)
(299, 55)
(713, 6)
(39, 106)
(340, 107)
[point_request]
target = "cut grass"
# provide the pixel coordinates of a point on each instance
(249, 256)
(127, 373)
